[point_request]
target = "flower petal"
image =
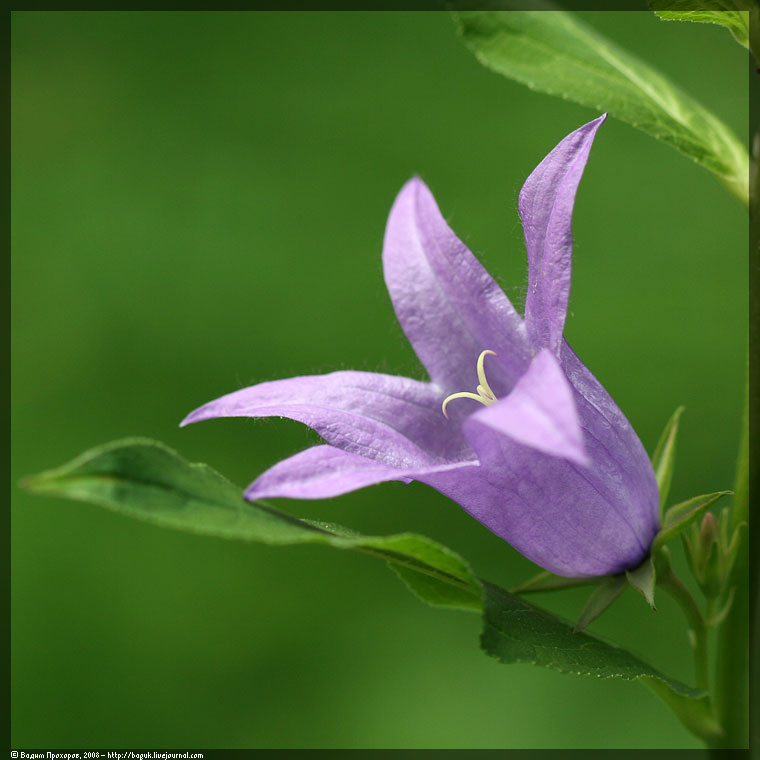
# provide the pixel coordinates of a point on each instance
(389, 419)
(546, 208)
(571, 520)
(324, 471)
(556, 513)
(540, 412)
(448, 305)
(628, 469)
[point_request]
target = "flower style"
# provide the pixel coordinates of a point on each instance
(512, 425)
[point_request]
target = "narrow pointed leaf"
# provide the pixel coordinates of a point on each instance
(554, 52)
(517, 631)
(601, 598)
(733, 15)
(149, 481)
(664, 457)
(713, 580)
(546, 581)
(643, 579)
(680, 516)
(737, 537)
(688, 539)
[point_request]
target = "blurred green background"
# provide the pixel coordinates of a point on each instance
(198, 204)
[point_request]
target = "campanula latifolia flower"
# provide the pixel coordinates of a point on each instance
(511, 425)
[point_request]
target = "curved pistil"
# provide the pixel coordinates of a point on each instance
(484, 393)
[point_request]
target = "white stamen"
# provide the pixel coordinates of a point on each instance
(484, 393)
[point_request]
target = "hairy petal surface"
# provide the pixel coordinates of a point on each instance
(324, 471)
(540, 412)
(448, 305)
(546, 208)
(393, 420)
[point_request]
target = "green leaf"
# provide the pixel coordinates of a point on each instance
(517, 631)
(680, 516)
(664, 457)
(733, 15)
(147, 480)
(555, 53)
(546, 581)
(642, 579)
(600, 599)
(436, 592)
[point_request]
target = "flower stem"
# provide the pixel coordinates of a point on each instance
(732, 664)
(675, 587)
(731, 694)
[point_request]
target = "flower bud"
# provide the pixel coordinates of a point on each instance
(709, 557)
(708, 531)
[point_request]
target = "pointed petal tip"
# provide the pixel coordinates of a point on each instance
(412, 184)
(577, 454)
(405, 201)
(197, 415)
(591, 127)
(252, 493)
(594, 124)
(258, 489)
(572, 449)
(413, 190)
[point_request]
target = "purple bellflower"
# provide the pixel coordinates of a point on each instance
(512, 425)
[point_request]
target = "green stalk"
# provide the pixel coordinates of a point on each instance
(675, 587)
(731, 694)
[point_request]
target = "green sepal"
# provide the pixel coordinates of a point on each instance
(728, 13)
(732, 546)
(714, 620)
(546, 581)
(678, 517)
(601, 598)
(664, 457)
(642, 578)
(713, 581)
